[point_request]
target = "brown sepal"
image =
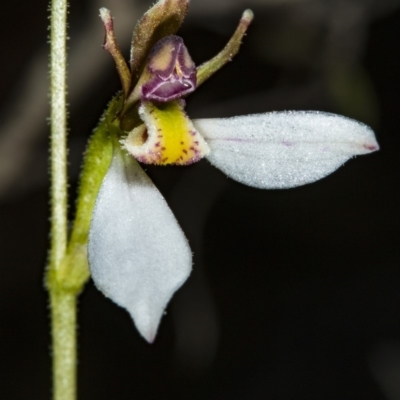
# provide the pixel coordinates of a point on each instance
(163, 19)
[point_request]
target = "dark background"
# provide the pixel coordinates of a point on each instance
(295, 294)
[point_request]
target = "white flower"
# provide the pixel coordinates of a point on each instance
(138, 254)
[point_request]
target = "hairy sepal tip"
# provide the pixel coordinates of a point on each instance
(248, 16)
(105, 14)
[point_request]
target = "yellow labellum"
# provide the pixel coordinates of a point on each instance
(167, 137)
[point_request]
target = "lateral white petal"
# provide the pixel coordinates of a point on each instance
(284, 149)
(138, 254)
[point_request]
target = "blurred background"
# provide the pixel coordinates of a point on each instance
(295, 294)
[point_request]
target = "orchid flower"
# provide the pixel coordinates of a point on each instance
(138, 255)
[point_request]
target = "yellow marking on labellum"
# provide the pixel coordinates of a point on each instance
(168, 136)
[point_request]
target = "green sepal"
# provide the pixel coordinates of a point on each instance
(74, 271)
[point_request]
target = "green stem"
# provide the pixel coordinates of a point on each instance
(58, 154)
(63, 314)
(63, 311)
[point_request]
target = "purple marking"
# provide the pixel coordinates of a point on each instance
(164, 91)
(195, 150)
(371, 147)
(193, 160)
(179, 54)
(177, 79)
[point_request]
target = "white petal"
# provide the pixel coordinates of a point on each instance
(284, 149)
(138, 254)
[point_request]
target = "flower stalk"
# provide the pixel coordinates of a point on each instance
(63, 315)
(58, 152)
(62, 301)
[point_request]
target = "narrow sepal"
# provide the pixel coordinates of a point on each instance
(111, 45)
(284, 149)
(138, 254)
(209, 68)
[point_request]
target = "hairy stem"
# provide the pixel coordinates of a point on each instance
(63, 314)
(62, 302)
(58, 153)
